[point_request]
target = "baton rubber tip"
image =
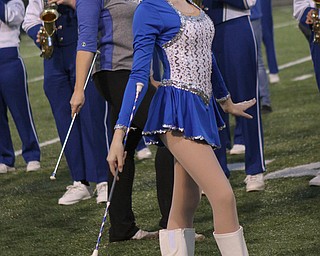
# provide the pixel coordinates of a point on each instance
(95, 253)
(139, 86)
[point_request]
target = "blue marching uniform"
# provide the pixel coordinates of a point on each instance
(14, 88)
(300, 11)
(235, 50)
(267, 35)
(86, 149)
(255, 17)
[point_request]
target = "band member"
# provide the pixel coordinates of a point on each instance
(268, 40)
(232, 21)
(86, 148)
(112, 20)
(14, 91)
(303, 11)
(183, 116)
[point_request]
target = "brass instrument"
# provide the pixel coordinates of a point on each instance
(49, 15)
(316, 22)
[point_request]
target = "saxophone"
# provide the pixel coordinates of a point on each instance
(49, 15)
(316, 22)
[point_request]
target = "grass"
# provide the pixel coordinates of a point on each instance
(282, 220)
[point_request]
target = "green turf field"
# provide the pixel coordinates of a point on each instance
(283, 220)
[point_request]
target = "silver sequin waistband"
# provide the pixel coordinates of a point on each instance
(193, 88)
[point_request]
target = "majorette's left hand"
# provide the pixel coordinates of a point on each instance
(237, 109)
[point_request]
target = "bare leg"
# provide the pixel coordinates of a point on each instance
(196, 165)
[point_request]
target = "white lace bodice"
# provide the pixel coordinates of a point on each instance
(189, 56)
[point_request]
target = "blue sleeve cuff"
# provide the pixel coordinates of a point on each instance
(33, 32)
(2, 11)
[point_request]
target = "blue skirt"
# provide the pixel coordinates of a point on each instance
(174, 109)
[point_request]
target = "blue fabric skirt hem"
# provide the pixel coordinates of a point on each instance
(174, 109)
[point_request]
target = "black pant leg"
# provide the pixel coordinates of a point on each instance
(122, 219)
(164, 164)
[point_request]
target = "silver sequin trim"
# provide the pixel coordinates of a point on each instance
(224, 98)
(193, 88)
(168, 128)
(121, 127)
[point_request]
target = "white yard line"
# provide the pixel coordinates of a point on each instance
(311, 169)
(302, 170)
(296, 62)
(285, 24)
(303, 77)
(43, 144)
(35, 79)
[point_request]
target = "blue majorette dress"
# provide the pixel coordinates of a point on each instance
(191, 83)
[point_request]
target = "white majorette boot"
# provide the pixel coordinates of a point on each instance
(232, 244)
(177, 242)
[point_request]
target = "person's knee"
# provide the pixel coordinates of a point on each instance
(224, 200)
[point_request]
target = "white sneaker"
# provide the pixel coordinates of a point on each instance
(238, 149)
(5, 168)
(274, 78)
(144, 154)
(199, 237)
(76, 193)
(102, 192)
(315, 181)
(254, 182)
(145, 235)
(33, 166)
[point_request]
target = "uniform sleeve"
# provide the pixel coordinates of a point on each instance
(147, 25)
(88, 13)
(241, 4)
(220, 91)
(32, 21)
(12, 12)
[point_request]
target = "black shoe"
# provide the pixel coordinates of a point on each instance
(265, 109)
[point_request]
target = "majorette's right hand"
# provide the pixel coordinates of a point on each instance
(117, 155)
(76, 102)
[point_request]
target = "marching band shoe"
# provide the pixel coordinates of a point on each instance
(102, 192)
(145, 235)
(144, 153)
(274, 78)
(199, 237)
(266, 109)
(315, 181)
(76, 193)
(33, 166)
(238, 149)
(254, 182)
(5, 168)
